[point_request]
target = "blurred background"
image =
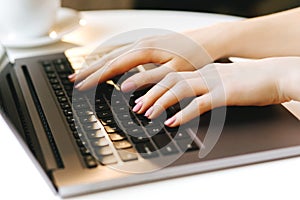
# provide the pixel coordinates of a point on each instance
(234, 7)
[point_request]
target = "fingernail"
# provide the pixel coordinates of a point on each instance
(128, 86)
(138, 100)
(149, 112)
(78, 85)
(170, 121)
(137, 107)
(71, 76)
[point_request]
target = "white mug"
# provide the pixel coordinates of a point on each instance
(27, 18)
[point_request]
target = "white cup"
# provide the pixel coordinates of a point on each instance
(27, 18)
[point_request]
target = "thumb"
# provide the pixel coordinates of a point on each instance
(146, 78)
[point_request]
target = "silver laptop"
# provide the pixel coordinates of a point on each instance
(92, 141)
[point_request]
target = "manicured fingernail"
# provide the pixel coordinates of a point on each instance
(149, 112)
(137, 107)
(170, 121)
(138, 100)
(78, 85)
(71, 76)
(128, 86)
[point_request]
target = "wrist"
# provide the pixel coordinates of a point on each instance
(217, 40)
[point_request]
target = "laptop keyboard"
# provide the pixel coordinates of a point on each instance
(106, 131)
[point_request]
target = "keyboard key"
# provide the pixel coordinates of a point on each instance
(146, 150)
(78, 99)
(70, 119)
(101, 108)
(81, 142)
(100, 142)
(88, 119)
(70, 94)
(51, 75)
(53, 81)
(59, 93)
(187, 145)
(62, 68)
(161, 140)
(65, 105)
(121, 109)
(73, 126)
(179, 135)
(116, 137)
(91, 126)
(169, 149)
(95, 134)
(58, 61)
(84, 151)
(80, 106)
(69, 88)
(112, 128)
(107, 160)
(137, 131)
(56, 87)
(155, 130)
(123, 116)
(117, 101)
(129, 124)
(66, 81)
(104, 151)
(139, 139)
(84, 113)
(77, 134)
(48, 68)
(124, 144)
(104, 114)
(128, 154)
(63, 75)
(62, 99)
(90, 161)
(107, 121)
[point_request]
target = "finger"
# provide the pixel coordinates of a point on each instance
(148, 77)
(162, 87)
(122, 64)
(87, 70)
(183, 89)
(197, 107)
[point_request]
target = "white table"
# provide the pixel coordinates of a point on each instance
(19, 178)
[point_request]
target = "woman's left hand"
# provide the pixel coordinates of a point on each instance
(261, 82)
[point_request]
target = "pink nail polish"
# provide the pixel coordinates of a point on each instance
(170, 121)
(149, 112)
(138, 100)
(137, 107)
(71, 76)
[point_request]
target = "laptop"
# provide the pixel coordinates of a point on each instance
(92, 141)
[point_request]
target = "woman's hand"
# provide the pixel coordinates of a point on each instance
(261, 82)
(173, 52)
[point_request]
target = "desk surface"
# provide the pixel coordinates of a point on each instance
(19, 179)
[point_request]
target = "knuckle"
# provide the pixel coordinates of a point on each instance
(181, 85)
(172, 76)
(199, 102)
(160, 105)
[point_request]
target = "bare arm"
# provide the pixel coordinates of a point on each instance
(267, 36)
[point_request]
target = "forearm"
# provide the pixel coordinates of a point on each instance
(267, 36)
